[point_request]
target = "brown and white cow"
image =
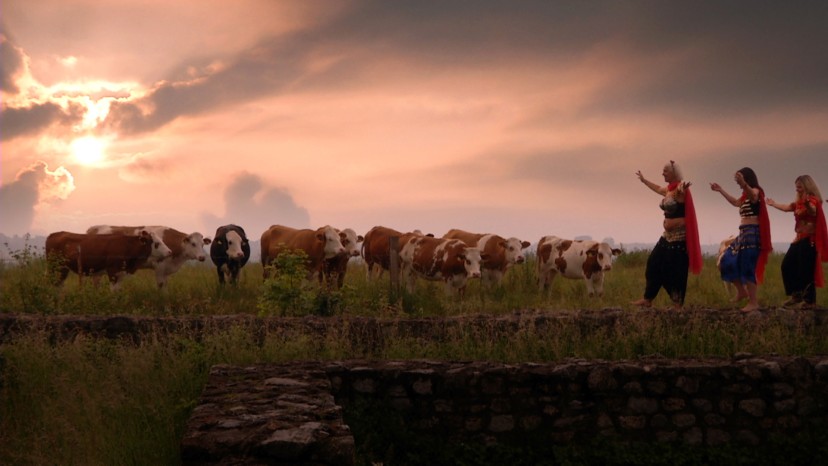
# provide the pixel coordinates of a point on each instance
(501, 253)
(334, 269)
(438, 259)
(319, 245)
(183, 247)
(93, 255)
(588, 260)
(376, 247)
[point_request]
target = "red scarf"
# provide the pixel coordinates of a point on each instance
(821, 244)
(764, 238)
(691, 227)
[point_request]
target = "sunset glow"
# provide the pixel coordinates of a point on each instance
(524, 122)
(88, 150)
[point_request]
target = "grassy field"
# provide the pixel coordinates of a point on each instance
(97, 402)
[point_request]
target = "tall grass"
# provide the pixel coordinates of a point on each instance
(101, 402)
(25, 288)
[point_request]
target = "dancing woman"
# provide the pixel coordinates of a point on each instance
(802, 264)
(677, 250)
(743, 263)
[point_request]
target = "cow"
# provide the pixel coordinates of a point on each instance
(437, 259)
(588, 260)
(229, 251)
(333, 270)
(93, 255)
(724, 245)
(502, 253)
(376, 247)
(184, 247)
(319, 245)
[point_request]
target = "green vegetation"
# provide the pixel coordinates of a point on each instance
(25, 287)
(103, 402)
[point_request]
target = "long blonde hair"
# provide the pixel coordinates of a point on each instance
(810, 186)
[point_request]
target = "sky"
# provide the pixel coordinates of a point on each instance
(524, 119)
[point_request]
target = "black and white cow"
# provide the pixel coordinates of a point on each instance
(230, 251)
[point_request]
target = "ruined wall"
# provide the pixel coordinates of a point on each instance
(694, 402)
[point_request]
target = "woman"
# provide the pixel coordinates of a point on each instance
(743, 264)
(678, 248)
(802, 265)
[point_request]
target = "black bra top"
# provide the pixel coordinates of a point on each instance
(749, 209)
(672, 208)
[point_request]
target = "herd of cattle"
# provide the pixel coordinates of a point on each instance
(453, 259)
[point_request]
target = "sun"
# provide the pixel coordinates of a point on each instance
(89, 150)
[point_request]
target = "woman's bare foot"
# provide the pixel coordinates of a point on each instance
(739, 297)
(643, 302)
(750, 308)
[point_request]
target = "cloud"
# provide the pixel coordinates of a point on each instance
(255, 207)
(33, 185)
(711, 57)
(11, 62)
(35, 118)
(32, 116)
(141, 169)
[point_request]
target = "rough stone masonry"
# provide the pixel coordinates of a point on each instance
(291, 413)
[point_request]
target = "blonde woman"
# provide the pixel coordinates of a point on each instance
(678, 249)
(802, 265)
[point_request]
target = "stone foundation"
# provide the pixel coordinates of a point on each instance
(289, 414)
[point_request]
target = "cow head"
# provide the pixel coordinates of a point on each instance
(192, 247)
(160, 251)
(514, 250)
(349, 240)
(599, 257)
(234, 244)
(472, 261)
(332, 243)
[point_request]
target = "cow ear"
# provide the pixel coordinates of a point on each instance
(207, 241)
(342, 235)
(525, 244)
(484, 257)
(360, 238)
(617, 252)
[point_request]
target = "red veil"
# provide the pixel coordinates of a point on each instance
(821, 244)
(764, 238)
(692, 230)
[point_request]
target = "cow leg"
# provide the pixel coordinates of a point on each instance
(220, 273)
(160, 278)
(115, 280)
(234, 269)
(410, 280)
(546, 278)
(598, 284)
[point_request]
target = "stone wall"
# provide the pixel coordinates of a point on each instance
(703, 403)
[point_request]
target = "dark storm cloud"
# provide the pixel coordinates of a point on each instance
(11, 62)
(777, 179)
(704, 57)
(20, 121)
(252, 205)
(35, 118)
(17, 202)
(32, 185)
